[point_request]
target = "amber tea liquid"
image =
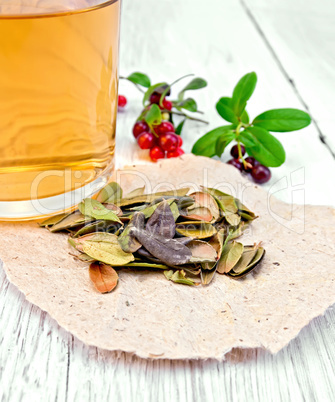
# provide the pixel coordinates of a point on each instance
(58, 101)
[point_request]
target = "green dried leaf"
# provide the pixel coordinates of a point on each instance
(147, 198)
(251, 256)
(127, 240)
(233, 219)
(227, 204)
(95, 209)
(97, 226)
(247, 256)
(148, 211)
(168, 274)
(201, 252)
(175, 211)
(109, 253)
(96, 237)
(162, 221)
(178, 277)
(53, 220)
(110, 193)
(195, 229)
(231, 254)
(217, 241)
(207, 272)
(71, 221)
(145, 265)
(169, 251)
(245, 212)
(235, 232)
(135, 193)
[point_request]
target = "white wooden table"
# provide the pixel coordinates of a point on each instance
(290, 44)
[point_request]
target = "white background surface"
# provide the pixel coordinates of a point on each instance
(290, 44)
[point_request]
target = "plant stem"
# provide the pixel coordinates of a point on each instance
(136, 85)
(186, 116)
(238, 128)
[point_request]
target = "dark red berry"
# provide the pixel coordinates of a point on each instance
(234, 151)
(251, 161)
(164, 127)
(180, 141)
(175, 153)
(156, 153)
(122, 101)
(261, 174)
(167, 104)
(146, 140)
(155, 98)
(169, 141)
(236, 163)
(139, 128)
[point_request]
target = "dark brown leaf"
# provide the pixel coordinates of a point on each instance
(169, 251)
(162, 221)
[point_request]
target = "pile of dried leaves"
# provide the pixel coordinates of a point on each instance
(188, 236)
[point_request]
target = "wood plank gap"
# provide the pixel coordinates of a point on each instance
(285, 73)
(68, 368)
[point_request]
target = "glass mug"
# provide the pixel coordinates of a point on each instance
(58, 103)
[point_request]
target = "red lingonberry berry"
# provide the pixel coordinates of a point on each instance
(155, 98)
(175, 153)
(234, 151)
(140, 127)
(156, 153)
(251, 163)
(165, 127)
(236, 163)
(168, 141)
(180, 141)
(146, 140)
(122, 101)
(261, 174)
(167, 104)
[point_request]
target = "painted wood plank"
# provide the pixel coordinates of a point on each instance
(302, 35)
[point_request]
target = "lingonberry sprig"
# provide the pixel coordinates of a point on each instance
(263, 148)
(154, 128)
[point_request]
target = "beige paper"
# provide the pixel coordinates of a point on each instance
(152, 317)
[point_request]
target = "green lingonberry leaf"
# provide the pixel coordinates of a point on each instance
(139, 79)
(242, 92)
(160, 88)
(225, 110)
(196, 83)
(244, 117)
(180, 126)
(206, 145)
(187, 104)
(224, 139)
(263, 146)
(282, 120)
(153, 115)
